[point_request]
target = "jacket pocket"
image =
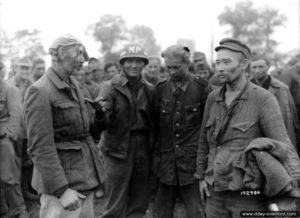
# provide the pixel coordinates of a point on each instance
(193, 114)
(243, 126)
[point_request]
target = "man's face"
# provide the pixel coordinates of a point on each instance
(38, 70)
(73, 58)
(111, 71)
(199, 61)
(133, 67)
(176, 68)
(23, 72)
(259, 69)
(205, 74)
(88, 77)
(153, 67)
(229, 66)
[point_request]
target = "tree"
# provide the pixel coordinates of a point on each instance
(145, 36)
(22, 43)
(252, 25)
(109, 30)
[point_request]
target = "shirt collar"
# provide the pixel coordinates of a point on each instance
(243, 95)
(183, 86)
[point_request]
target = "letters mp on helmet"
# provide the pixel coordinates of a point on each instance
(134, 51)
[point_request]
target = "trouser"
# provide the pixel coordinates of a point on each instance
(229, 204)
(10, 179)
(166, 198)
(52, 208)
(126, 181)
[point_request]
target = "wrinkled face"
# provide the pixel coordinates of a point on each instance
(79, 76)
(153, 67)
(259, 69)
(38, 71)
(176, 68)
(199, 61)
(229, 66)
(23, 72)
(72, 58)
(133, 67)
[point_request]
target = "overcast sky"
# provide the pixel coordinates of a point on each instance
(170, 19)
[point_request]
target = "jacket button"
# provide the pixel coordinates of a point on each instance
(177, 135)
(194, 109)
(177, 146)
(177, 124)
(163, 111)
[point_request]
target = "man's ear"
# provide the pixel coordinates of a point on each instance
(245, 64)
(60, 53)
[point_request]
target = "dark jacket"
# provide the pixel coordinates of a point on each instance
(226, 132)
(10, 111)
(59, 140)
(179, 116)
(117, 123)
(271, 166)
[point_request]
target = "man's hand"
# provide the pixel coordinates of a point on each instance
(71, 199)
(204, 193)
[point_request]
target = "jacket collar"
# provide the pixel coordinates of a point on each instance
(56, 79)
(243, 95)
(184, 85)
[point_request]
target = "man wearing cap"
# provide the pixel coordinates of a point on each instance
(38, 68)
(10, 126)
(66, 160)
(127, 137)
(259, 67)
(234, 115)
(179, 107)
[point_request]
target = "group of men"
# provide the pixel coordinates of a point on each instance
(222, 151)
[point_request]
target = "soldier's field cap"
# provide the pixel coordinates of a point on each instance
(25, 61)
(234, 45)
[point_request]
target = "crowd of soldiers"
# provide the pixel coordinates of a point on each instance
(222, 140)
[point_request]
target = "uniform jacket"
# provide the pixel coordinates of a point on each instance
(179, 117)
(226, 132)
(10, 111)
(59, 140)
(117, 123)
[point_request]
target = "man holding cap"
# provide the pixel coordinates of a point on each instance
(127, 138)
(234, 115)
(66, 160)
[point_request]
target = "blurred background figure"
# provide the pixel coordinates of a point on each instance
(151, 72)
(92, 86)
(12, 71)
(110, 70)
(38, 68)
(201, 66)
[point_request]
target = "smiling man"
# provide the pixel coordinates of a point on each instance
(127, 137)
(66, 160)
(234, 116)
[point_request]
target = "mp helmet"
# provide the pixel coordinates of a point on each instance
(133, 51)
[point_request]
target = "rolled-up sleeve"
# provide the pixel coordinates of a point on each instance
(14, 106)
(40, 132)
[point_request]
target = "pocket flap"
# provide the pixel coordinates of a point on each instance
(193, 108)
(243, 126)
(64, 105)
